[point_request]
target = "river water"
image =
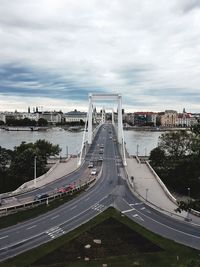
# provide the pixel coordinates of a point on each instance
(143, 141)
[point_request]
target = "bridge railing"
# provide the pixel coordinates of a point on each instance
(169, 195)
(29, 204)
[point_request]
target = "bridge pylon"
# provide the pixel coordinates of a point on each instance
(88, 125)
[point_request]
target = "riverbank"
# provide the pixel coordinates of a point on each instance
(154, 129)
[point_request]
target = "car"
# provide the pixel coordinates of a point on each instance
(61, 190)
(91, 164)
(65, 189)
(42, 196)
(94, 171)
(102, 146)
(100, 158)
(69, 188)
(101, 151)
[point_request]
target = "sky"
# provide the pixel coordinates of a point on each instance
(53, 53)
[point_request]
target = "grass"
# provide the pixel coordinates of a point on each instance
(32, 212)
(130, 245)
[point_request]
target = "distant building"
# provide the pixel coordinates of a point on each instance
(169, 118)
(51, 117)
(128, 118)
(75, 116)
(3, 117)
(145, 118)
(185, 120)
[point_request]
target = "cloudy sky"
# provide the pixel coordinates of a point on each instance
(54, 52)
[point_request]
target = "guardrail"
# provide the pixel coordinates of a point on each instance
(165, 189)
(168, 194)
(30, 204)
(131, 185)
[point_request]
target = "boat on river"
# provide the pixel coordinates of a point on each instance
(29, 128)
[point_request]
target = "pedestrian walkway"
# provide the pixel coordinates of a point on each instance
(147, 186)
(58, 170)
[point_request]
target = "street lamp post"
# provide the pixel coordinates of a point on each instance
(66, 151)
(35, 170)
(147, 189)
(188, 213)
(188, 193)
(137, 149)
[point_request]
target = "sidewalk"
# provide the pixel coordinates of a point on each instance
(58, 170)
(149, 189)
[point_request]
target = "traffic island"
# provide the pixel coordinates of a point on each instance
(123, 243)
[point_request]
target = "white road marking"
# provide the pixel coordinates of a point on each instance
(55, 232)
(125, 211)
(137, 217)
(72, 208)
(3, 237)
(98, 207)
(55, 217)
(169, 227)
(87, 199)
(31, 227)
(143, 208)
(138, 203)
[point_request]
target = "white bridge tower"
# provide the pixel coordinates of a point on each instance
(88, 126)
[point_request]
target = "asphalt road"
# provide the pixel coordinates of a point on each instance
(110, 189)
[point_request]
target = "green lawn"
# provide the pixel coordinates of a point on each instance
(124, 243)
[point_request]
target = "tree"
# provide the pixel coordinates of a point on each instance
(176, 144)
(177, 161)
(157, 157)
(21, 163)
(42, 122)
(45, 149)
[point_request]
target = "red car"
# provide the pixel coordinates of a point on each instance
(65, 189)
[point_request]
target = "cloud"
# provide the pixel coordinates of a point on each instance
(63, 49)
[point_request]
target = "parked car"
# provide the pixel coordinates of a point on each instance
(94, 171)
(42, 196)
(102, 146)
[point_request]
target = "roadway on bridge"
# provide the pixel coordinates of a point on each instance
(110, 189)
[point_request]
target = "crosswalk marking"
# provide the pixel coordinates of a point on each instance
(55, 232)
(98, 207)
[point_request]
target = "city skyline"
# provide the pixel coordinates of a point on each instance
(53, 53)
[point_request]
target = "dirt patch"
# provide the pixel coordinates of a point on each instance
(116, 238)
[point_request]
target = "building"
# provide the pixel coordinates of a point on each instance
(169, 118)
(75, 116)
(145, 118)
(51, 117)
(3, 117)
(185, 120)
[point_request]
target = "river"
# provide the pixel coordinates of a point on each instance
(143, 141)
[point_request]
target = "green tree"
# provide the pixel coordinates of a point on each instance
(21, 163)
(42, 122)
(45, 149)
(177, 161)
(176, 144)
(157, 157)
